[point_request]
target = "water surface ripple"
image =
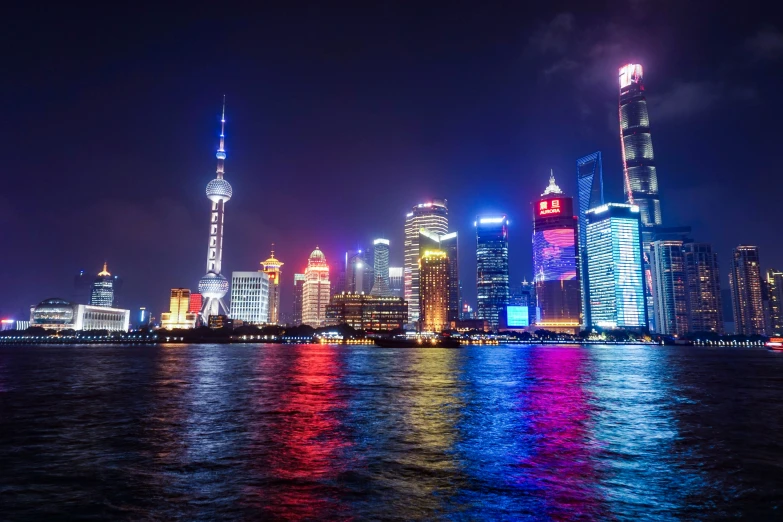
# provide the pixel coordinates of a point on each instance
(248, 432)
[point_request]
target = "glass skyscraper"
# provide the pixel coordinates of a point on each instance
(102, 290)
(705, 307)
(432, 216)
(614, 265)
(641, 179)
(667, 260)
(491, 269)
(746, 298)
(448, 243)
(250, 296)
(299, 280)
(380, 286)
(775, 291)
(555, 261)
(590, 181)
(434, 305)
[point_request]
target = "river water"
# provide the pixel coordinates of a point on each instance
(251, 432)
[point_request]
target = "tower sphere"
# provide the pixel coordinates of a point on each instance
(213, 286)
(219, 189)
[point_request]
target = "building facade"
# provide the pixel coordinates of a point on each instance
(590, 183)
(435, 271)
(705, 307)
(316, 290)
(272, 268)
(367, 312)
(448, 243)
(102, 289)
(381, 284)
(555, 261)
(214, 286)
(491, 269)
(614, 264)
(434, 217)
(397, 281)
(775, 292)
(58, 314)
(250, 297)
(299, 280)
(179, 315)
(358, 272)
(667, 260)
(746, 292)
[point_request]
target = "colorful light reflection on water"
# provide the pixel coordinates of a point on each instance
(321, 432)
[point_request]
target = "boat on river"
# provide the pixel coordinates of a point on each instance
(775, 343)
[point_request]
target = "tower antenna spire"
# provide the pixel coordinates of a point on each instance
(221, 153)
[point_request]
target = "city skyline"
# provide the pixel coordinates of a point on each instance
(128, 222)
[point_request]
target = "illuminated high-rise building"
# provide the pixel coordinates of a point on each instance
(705, 307)
(555, 261)
(448, 243)
(196, 303)
(271, 267)
(102, 290)
(250, 296)
(316, 290)
(358, 277)
(667, 260)
(380, 286)
(746, 294)
(641, 179)
(614, 264)
(178, 316)
(299, 280)
(432, 216)
(214, 286)
(396, 281)
(435, 273)
(367, 312)
(491, 269)
(775, 291)
(590, 181)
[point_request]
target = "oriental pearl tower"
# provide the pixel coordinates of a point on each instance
(214, 286)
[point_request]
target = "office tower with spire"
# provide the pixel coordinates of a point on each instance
(271, 267)
(775, 293)
(214, 286)
(299, 280)
(316, 290)
(432, 216)
(614, 263)
(590, 182)
(380, 287)
(102, 290)
(555, 261)
(492, 269)
(641, 178)
(746, 294)
(705, 306)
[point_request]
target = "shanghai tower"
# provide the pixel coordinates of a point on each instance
(641, 180)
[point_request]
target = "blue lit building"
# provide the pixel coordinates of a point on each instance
(491, 269)
(590, 181)
(102, 290)
(614, 266)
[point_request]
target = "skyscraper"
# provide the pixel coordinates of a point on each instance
(380, 285)
(433, 216)
(434, 305)
(775, 290)
(667, 260)
(590, 181)
(705, 309)
(214, 286)
(448, 243)
(299, 280)
(178, 316)
(558, 290)
(271, 267)
(614, 264)
(357, 273)
(396, 281)
(196, 303)
(641, 179)
(491, 269)
(315, 290)
(745, 284)
(250, 296)
(102, 290)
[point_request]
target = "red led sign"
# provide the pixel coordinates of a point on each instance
(549, 207)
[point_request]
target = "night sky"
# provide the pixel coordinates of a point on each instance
(339, 119)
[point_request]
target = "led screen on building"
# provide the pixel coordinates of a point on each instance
(517, 316)
(554, 254)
